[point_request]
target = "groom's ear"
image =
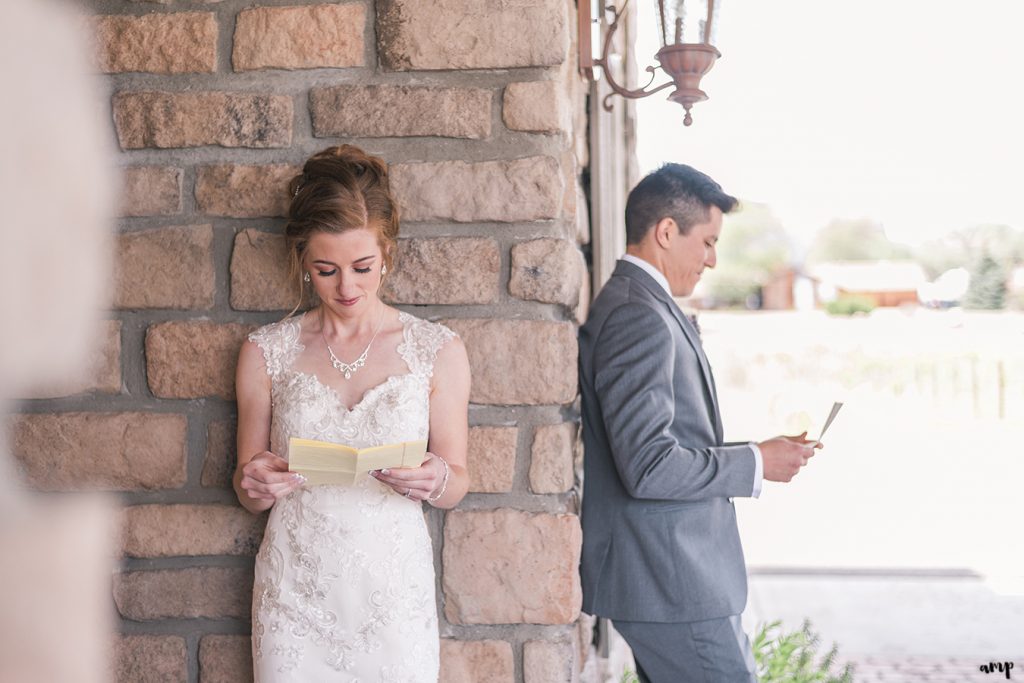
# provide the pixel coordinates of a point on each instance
(665, 230)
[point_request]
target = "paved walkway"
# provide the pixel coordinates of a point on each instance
(909, 627)
(927, 670)
(901, 628)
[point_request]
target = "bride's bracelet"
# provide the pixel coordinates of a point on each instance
(444, 482)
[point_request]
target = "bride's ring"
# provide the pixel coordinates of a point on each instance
(408, 493)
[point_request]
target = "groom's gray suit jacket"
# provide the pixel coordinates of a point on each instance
(660, 541)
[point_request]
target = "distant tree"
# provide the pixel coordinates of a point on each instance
(938, 256)
(753, 246)
(966, 248)
(988, 285)
(860, 239)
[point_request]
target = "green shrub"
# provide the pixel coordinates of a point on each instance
(790, 657)
(849, 305)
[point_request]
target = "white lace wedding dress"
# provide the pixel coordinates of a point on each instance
(344, 587)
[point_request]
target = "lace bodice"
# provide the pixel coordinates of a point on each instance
(344, 585)
(397, 409)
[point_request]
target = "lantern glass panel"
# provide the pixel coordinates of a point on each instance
(687, 21)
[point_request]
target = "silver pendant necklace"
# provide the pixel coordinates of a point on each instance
(348, 369)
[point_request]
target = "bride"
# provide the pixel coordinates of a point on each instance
(344, 586)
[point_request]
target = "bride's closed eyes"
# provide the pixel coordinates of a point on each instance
(364, 267)
(328, 273)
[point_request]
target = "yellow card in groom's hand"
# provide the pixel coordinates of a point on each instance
(321, 462)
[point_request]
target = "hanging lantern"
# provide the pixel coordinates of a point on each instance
(687, 32)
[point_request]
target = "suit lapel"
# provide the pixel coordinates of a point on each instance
(631, 271)
(709, 379)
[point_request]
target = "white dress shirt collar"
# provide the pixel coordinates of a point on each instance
(648, 268)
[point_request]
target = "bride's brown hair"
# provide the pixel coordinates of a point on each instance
(340, 189)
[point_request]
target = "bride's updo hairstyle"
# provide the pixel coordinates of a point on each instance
(340, 189)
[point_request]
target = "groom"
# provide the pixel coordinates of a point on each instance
(661, 550)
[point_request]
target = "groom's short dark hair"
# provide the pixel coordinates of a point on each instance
(674, 191)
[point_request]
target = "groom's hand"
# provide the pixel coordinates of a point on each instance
(783, 456)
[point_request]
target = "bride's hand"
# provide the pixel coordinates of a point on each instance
(415, 483)
(266, 477)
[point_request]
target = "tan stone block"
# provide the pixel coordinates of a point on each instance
(219, 461)
(191, 593)
(536, 106)
(225, 659)
(307, 37)
(193, 359)
(244, 191)
(194, 119)
(259, 273)
(445, 270)
(120, 451)
(508, 567)
(400, 111)
(173, 530)
(519, 362)
(571, 175)
(164, 43)
(150, 659)
(471, 34)
(492, 459)
(165, 268)
(103, 368)
(547, 270)
(551, 462)
(527, 189)
(151, 191)
(475, 661)
(546, 661)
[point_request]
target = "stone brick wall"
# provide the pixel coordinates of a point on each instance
(477, 107)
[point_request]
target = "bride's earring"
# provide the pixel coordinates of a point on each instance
(383, 271)
(306, 278)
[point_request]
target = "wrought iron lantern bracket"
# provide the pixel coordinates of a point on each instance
(609, 75)
(683, 63)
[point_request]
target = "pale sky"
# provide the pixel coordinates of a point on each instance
(907, 111)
